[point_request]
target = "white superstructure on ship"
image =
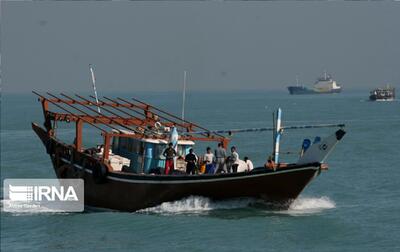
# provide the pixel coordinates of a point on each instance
(323, 85)
(326, 84)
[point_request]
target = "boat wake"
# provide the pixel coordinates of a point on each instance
(196, 205)
(201, 205)
(309, 205)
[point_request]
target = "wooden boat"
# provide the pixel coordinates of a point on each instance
(124, 173)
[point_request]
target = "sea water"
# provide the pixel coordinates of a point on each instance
(354, 206)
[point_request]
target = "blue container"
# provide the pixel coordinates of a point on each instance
(148, 157)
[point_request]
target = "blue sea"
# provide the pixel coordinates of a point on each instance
(354, 206)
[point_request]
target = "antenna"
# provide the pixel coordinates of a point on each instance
(297, 80)
(184, 95)
(94, 86)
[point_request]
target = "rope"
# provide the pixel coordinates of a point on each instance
(231, 131)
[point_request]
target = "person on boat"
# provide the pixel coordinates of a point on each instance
(169, 154)
(191, 160)
(234, 159)
(220, 156)
(208, 159)
(270, 163)
(249, 164)
(180, 165)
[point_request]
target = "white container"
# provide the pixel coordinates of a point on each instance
(117, 162)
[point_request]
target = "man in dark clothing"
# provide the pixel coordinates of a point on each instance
(169, 154)
(191, 162)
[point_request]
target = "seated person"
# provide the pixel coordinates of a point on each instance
(180, 164)
(249, 164)
(270, 163)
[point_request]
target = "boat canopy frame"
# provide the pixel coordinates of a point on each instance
(140, 118)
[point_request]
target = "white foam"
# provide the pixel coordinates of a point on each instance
(307, 205)
(203, 205)
(196, 205)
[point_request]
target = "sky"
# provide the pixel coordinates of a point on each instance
(146, 46)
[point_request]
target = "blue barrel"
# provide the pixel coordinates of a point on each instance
(306, 144)
(148, 157)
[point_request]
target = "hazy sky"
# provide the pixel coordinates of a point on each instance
(140, 46)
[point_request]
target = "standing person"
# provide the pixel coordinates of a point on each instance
(191, 160)
(249, 164)
(208, 160)
(169, 154)
(234, 159)
(220, 156)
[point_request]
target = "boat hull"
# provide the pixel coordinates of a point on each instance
(131, 192)
(374, 98)
(295, 90)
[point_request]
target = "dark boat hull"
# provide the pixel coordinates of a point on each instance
(131, 192)
(295, 90)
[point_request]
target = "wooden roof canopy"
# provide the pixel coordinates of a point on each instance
(116, 116)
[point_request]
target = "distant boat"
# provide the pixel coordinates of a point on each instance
(323, 85)
(382, 94)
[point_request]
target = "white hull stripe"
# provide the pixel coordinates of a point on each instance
(140, 181)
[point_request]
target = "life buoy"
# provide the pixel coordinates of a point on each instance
(99, 173)
(157, 125)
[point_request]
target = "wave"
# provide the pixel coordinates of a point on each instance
(202, 205)
(196, 205)
(309, 205)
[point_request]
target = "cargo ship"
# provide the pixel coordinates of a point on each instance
(323, 85)
(382, 94)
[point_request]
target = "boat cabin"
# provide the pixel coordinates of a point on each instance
(135, 134)
(143, 155)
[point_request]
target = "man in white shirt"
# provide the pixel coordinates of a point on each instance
(234, 159)
(209, 160)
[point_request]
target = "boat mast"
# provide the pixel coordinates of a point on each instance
(273, 132)
(94, 86)
(278, 134)
(183, 95)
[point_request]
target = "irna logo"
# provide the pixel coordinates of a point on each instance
(39, 193)
(43, 195)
